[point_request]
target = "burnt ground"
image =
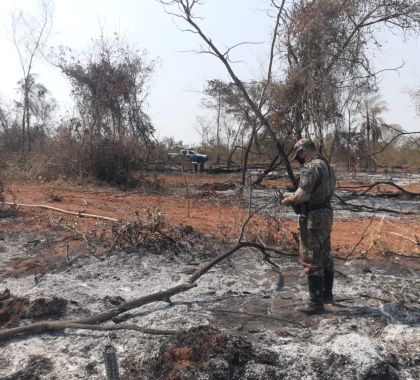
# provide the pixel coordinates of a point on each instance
(240, 321)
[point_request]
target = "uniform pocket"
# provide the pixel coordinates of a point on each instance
(315, 220)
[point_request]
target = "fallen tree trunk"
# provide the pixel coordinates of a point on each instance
(50, 326)
(79, 213)
(163, 296)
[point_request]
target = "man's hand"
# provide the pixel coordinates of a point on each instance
(298, 197)
(283, 198)
(287, 201)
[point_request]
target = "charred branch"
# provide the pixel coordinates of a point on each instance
(185, 12)
(369, 187)
(364, 208)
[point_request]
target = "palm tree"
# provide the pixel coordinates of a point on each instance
(372, 124)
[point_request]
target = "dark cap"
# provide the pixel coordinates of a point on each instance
(302, 144)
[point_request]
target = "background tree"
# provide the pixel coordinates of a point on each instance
(41, 106)
(325, 44)
(203, 128)
(232, 108)
(109, 84)
(184, 9)
(4, 119)
(415, 95)
(214, 93)
(29, 35)
(5, 125)
(372, 124)
(233, 128)
(110, 87)
(323, 47)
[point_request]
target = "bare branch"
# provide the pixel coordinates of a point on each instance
(186, 8)
(388, 144)
(273, 43)
(229, 49)
(250, 216)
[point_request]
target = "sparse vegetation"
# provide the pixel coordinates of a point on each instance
(105, 223)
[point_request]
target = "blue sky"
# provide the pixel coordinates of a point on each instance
(174, 102)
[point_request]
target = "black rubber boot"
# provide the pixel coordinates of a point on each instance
(316, 301)
(328, 286)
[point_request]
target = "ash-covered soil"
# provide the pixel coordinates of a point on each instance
(240, 321)
(352, 202)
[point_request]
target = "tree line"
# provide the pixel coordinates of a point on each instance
(318, 82)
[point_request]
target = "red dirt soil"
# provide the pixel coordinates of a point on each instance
(212, 217)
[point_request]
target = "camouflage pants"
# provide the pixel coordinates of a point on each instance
(315, 241)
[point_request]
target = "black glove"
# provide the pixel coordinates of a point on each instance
(297, 209)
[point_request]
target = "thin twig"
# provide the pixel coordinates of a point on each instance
(405, 237)
(187, 196)
(362, 238)
(250, 215)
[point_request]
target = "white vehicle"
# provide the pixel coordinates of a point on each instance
(190, 154)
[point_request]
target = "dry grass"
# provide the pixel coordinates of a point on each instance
(385, 237)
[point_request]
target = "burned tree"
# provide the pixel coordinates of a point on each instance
(109, 84)
(325, 45)
(184, 12)
(323, 55)
(372, 124)
(29, 35)
(228, 100)
(213, 100)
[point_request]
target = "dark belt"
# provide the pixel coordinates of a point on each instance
(318, 206)
(304, 208)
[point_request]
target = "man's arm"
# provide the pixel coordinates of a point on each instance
(298, 197)
(307, 183)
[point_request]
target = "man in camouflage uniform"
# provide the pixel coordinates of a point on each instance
(316, 187)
